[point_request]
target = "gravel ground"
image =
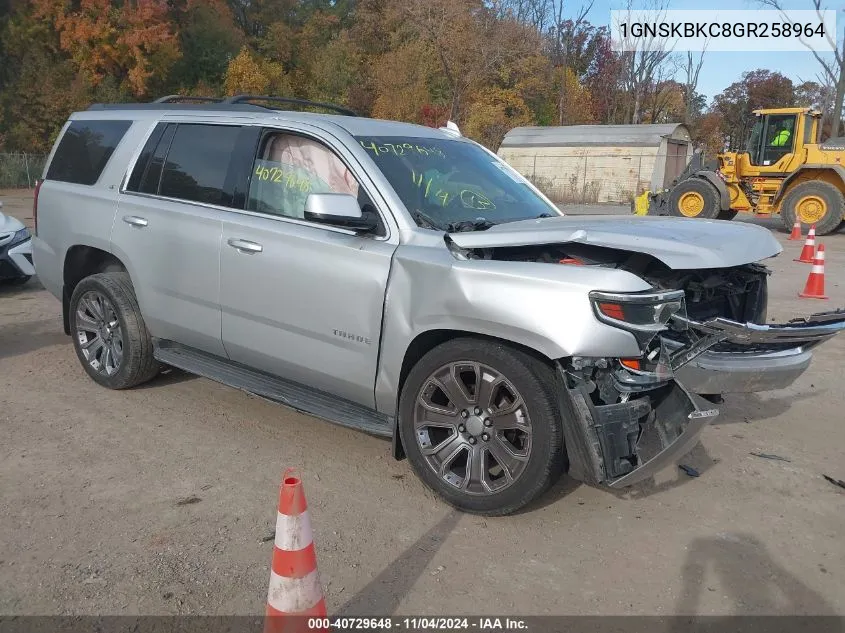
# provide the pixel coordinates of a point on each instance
(159, 500)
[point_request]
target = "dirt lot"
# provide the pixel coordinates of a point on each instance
(96, 514)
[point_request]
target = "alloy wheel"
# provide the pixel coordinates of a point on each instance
(99, 334)
(473, 428)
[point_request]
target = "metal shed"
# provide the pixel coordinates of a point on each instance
(598, 163)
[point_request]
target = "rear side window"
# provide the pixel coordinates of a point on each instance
(85, 149)
(198, 162)
(147, 170)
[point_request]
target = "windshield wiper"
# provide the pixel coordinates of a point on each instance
(425, 221)
(478, 224)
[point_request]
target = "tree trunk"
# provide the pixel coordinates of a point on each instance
(838, 102)
(635, 117)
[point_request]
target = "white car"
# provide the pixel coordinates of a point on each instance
(15, 251)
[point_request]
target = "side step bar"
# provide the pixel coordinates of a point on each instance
(293, 395)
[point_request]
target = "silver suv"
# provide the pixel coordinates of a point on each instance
(405, 281)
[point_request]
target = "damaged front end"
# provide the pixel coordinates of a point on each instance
(700, 332)
(627, 419)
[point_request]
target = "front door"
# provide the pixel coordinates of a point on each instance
(301, 300)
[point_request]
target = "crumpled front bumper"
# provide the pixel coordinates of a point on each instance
(660, 416)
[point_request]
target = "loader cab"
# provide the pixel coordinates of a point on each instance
(780, 133)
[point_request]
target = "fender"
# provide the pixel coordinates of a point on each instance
(713, 178)
(837, 169)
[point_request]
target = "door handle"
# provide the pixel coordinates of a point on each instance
(245, 246)
(134, 220)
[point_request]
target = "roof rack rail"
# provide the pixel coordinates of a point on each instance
(243, 99)
(175, 98)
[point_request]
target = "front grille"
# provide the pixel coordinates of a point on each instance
(727, 346)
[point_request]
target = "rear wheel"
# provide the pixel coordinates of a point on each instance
(813, 202)
(109, 334)
(481, 426)
(694, 198)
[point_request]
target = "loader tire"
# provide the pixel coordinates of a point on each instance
(694, 198)
(813, 202)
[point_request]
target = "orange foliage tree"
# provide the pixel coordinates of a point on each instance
(132, 41)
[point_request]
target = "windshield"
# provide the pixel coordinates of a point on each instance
(453, 185)
(753, 145)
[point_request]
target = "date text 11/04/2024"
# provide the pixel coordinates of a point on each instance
(484, 624)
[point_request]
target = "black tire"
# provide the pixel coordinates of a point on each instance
(137, 364)
(711, 202)
(730, 214)
(535, 382)
(830, 196)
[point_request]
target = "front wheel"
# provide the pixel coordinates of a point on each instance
(481, 425)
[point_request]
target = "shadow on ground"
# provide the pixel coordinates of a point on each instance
(168, 376)
(750, 407)
(385, 592)
(29, 336)
(747, 581)
(16, 290)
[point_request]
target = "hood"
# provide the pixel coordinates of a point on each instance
(680, 243)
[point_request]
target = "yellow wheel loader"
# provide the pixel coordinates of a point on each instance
(784, 170)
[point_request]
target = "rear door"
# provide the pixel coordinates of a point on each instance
(302, 300)
(169, 223)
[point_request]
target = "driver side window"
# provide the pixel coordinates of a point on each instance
(780, 138)
(288, 168)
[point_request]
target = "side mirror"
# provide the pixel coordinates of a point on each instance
(339, 209)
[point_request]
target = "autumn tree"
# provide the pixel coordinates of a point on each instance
(756, 89)
(708, 134)
(494, 112)
(208, 39)
(693, 101)
(574, 46)
(131, 42)
(833, 66)
(247, 74)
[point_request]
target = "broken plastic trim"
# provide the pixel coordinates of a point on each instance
(679, 419)
(816, 328)
(618, 445)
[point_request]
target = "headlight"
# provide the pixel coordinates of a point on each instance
(646, 312)
(20, 236)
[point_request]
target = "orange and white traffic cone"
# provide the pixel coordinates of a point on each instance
(796, 231)
(808, 253)
(295, 601)
(815, 281)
